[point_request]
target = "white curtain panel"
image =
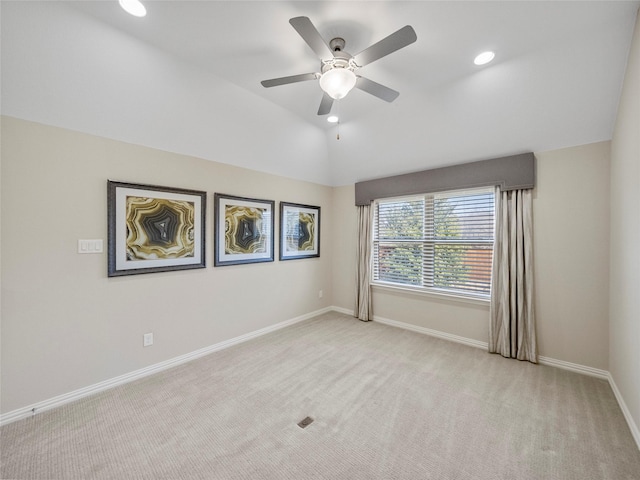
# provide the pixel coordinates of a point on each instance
(512, 329)
(363, 308)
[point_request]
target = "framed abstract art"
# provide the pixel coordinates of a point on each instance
(299, 231)
(243, 231)
(154, 229)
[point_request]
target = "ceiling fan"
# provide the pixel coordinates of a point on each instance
(338, 68)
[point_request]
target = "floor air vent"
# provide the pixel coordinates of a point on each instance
(305, 422)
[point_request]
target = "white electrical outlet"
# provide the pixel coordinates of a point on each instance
(147, 339)
(320, 294)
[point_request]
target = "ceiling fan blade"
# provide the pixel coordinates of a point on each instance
(310, 34)
(385, 93)
(403, 37)
(325, 105)
(274, 82)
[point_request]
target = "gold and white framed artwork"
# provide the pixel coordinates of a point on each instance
(243, 231)
(299, 231)
(154, 229)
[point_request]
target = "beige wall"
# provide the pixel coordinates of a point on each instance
(571, 245)
(344, 227)
(571, 221)
(65, 325)
(624, 344)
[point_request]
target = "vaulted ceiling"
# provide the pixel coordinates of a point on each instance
(186, 78)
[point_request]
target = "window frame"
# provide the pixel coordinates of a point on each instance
(422, 290)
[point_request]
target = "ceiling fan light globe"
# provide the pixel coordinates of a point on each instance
(337, 82)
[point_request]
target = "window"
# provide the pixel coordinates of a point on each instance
(438, 242)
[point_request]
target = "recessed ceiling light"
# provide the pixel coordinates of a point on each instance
(333, 119)
(133, 7)
(484, 58)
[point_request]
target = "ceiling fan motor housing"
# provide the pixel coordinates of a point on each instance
(338, 62)
(341, 59)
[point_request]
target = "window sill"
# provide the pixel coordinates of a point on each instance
(475, 300)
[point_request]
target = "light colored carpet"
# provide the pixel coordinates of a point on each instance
(386, 404)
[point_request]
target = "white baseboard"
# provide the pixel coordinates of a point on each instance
(432, 333)
(635, 431)
(63, 399)
(574, 367)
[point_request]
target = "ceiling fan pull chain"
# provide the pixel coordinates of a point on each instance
(338, 123)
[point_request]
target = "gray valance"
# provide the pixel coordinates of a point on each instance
(510, 173)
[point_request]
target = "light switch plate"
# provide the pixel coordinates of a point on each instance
(90, 246)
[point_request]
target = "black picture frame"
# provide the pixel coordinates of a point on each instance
(154, 229)
(243, 230)
(299, 231)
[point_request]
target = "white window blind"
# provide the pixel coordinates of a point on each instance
(441, 241)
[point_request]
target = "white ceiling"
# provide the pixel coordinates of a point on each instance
(186, 78)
